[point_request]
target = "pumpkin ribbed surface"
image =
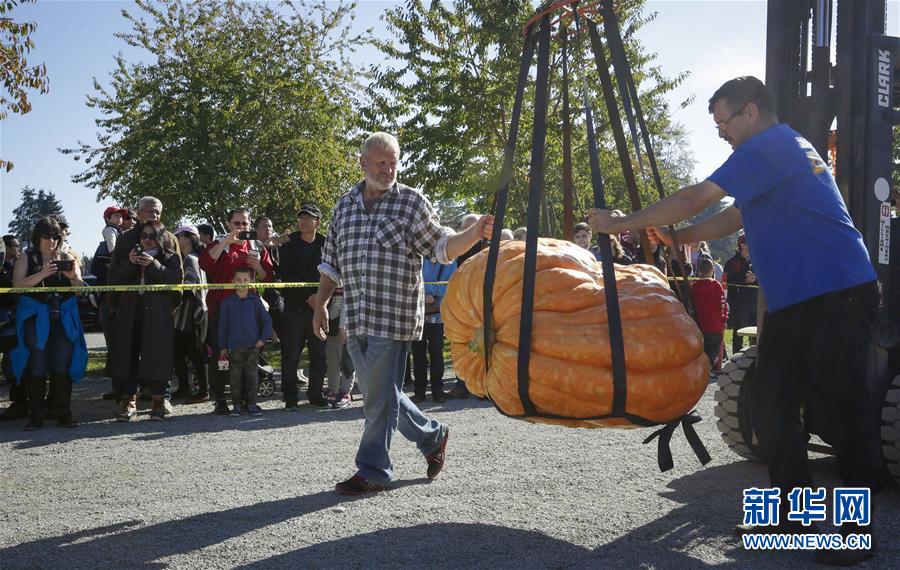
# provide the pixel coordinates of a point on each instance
(570, 371)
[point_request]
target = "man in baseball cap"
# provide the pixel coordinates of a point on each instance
(299, 257)
(310, 210)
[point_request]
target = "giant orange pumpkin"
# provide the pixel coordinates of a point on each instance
(570, 370)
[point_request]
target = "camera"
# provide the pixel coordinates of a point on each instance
(138, 249)
(248, 234)
(64, 264)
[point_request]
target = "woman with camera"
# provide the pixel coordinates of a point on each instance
(142, 347)
(50, 337)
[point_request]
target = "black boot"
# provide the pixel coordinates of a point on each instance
(15, 411)
(36, 421)
(849, 557)
(36, 392)
(62, 390)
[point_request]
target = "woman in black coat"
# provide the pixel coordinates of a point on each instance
(142, 343)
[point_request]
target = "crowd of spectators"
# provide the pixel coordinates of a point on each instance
(214, 349)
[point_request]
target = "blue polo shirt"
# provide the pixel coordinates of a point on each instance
(802, 240)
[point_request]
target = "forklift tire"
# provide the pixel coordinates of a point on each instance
(733, 403)
(890, 430)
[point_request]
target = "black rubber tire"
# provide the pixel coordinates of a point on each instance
(735, 382)
(890, 430)
(266, 387)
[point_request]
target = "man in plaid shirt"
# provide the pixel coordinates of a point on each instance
(379, 232)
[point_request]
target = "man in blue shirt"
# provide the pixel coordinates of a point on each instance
(821, 299)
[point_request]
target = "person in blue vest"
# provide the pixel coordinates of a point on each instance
(428, 352)
(821, 303)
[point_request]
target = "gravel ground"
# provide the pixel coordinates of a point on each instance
(204, 491)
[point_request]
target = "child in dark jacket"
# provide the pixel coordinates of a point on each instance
(244, 327)
(712, 311)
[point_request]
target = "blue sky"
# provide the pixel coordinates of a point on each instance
(714, 40)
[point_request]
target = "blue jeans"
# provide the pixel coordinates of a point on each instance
(380, 365)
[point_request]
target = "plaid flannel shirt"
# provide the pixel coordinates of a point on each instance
(377, 258)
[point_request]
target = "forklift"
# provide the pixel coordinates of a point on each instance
(859, 92)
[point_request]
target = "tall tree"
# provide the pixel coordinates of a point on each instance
(35, 205)
(18, 75)
(450, 98)
(244, 104)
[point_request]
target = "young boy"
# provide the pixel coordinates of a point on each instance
(113, 217)
(244, 327)
(711, 309)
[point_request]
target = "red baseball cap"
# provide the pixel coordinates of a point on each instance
(114, 210)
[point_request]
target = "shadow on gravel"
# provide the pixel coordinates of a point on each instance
(444, 545)
(142, 429)
(694, 533)
(96, 417)
(129, 545)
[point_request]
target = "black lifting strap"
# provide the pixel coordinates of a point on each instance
(499, 209)
(614, 317)
(535, 188)
(629, 94)
(664, 453)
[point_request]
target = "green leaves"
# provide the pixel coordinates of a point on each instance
(245, 104)
(450, 98)
(18, 76)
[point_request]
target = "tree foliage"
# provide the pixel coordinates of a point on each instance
(18, 75)
(244, 104)
(35, 205)
(451, 95)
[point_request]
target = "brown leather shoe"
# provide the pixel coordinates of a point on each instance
(358, 485)
(435, 459)
(198, 399)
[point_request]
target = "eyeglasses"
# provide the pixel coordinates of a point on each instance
(48, 237)
(148, 237)
(724, 123)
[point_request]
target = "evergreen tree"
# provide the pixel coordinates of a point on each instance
(35, 205)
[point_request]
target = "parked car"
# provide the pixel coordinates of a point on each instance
(88, 304)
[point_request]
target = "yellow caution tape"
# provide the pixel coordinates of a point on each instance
(158, 288)
(698, 279)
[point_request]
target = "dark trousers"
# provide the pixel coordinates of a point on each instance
(820, 345)
(429, 350)
(712, 342)
(52, 360)
(105, 325)
(218, 379)
(129, 385)
(740, 315)
(297, 333)
(189, 349)
(243, 374)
